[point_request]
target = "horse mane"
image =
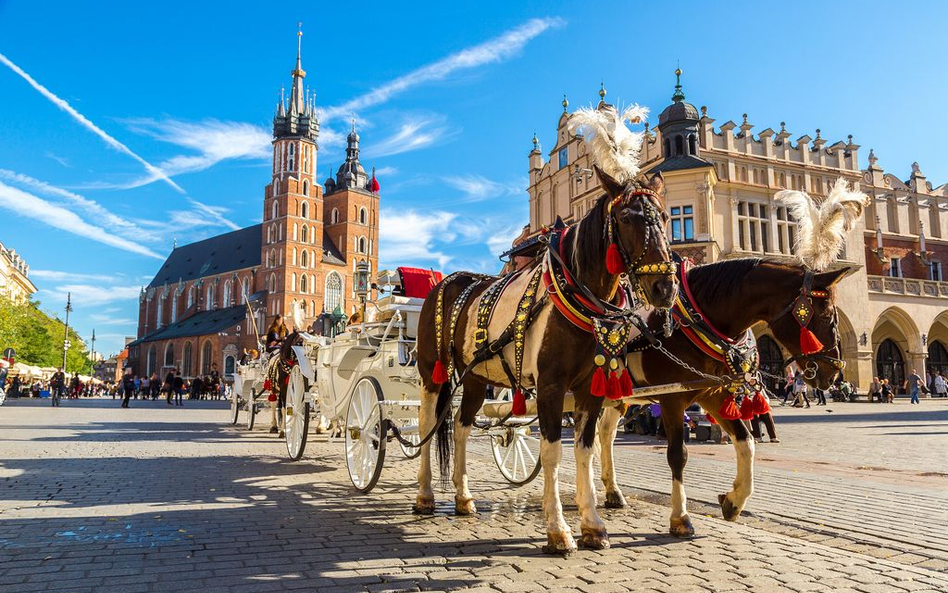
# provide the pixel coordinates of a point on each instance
(722, 280)
(286, 348)
(589, 243)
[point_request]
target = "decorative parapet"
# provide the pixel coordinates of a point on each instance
(908, 287)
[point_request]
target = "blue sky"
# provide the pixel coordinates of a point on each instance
(447, 97)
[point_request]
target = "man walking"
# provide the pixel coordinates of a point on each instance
(940, 386)
(57, 384)
(169, 386)
(178, 385)
(128, 387)
(912, 384)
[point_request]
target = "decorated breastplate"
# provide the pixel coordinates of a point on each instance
(611, 379)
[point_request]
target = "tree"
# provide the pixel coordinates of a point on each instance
(37, 337)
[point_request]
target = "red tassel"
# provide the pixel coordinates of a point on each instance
(286, 380)
(615, 386)
(272, 397)
(626, 383)
(729, 410)
(267, 386)
(614, 263)
(439, 375)
(809, 343)
(748, 408)
(519, 403)
(710, 419)
(599, 384)
(763, 406)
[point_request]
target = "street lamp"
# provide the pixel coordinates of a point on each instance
(362, 283)
(66, 331)
(93, 352)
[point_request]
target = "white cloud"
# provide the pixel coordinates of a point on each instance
(105, 319)
(386, 171)
(494, 50)
(59, 159)
(408, 237)
(477, 188)
(26, 204)
(502, 239)
(90, 295)
(414, 133)
(84, 122)
(58, 276)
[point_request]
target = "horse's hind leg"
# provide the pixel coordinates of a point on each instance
(608, 425)
(587, 413)
(550, 408)
(424, 501)
(474, 393)
(673, 419)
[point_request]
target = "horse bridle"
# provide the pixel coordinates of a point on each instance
(653, 217)
(802, 311)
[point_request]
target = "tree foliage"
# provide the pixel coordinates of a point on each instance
(38, 337)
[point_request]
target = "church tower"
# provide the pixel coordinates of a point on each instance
(293, 205)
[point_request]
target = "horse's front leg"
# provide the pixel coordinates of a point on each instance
(608, 426)
(593, 530)
(474, 393)
(733, 502)
(677, 455)
(559, 539)
(424, 501)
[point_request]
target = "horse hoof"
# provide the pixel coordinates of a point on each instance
(282, 434)
(594, 539)
(273, 430)
(728, 510)
(682, 527)
(423, 506)
(559, 544)
(615, 500)
(464, 506)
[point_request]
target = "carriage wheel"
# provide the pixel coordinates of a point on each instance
(365, 434)
(296, 414)
(234, 407)
(251, 409)
(517, 453)
(414, 438)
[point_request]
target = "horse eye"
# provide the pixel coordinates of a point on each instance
(625, 216)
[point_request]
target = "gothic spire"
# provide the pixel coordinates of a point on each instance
(297, 100)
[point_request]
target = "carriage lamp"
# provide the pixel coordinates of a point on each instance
(362, 283)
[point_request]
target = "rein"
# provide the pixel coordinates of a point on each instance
(617, 258)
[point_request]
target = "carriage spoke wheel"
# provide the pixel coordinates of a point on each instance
(414, 438)
(234, 407)
(517, 453)
(296, 414)
(251, 409)
(365, 434)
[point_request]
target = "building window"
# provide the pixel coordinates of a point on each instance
(305, 166)
(151, 363)
(679, 145)
(304, 259)
(303, 285)
(304, 209)
(682, 223)
(333, 295)
(169, 354)
(667, 147)
(363, 216)
(245, 291)
(335, 216)
(229, 366)
(191, 295)
(292, 159)
(563, 158)
(895, 267)
(186, 360)
(934, 272)
(206, 358)
(937, 358)
(227, 294)
(275, 209)
(209, 301)
(174, 307)
(753, 227)
(786, 231)
(161, 306)
(361, 244)
(304, 234)
(692, 145)
(272, 284)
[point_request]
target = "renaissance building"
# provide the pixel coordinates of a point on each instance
(194, 314)
(15, 281)
(721, 180)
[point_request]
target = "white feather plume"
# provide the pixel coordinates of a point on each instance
(298, 318)
(614, 147)
(821, 228)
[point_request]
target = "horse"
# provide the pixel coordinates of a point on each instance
(549, 352)
(717, 306)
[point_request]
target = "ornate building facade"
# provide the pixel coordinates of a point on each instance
(720, 186)
(15, 281)
(194, 315)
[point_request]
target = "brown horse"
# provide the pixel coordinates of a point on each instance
(555, 355)
(732, 296)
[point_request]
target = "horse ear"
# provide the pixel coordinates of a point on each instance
(657, 184)
(612, 187)
(828, 279)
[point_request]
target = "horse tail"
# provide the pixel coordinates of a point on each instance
(443, 434)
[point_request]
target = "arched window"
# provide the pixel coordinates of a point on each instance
(227, 294)
(304, 259)
(937, 358)
(151, 362)
(335, 216)
(186, 360)
(692, 144)
(668, 148)
(371, 246)
(273, 258)
(303, 308)
(679, 145)
(771, 360)
(276, 187)
(169, 354)
(174, 307)
(272, 284)
(245, 291)
(291, 162)
(361, 244)
(363, 216)
(333, 294)
(209, 301)
(192, 292)
(305, 193)
(303, 286)
(229, 365)
(304, 209)
(206, 358)
(304, 234)
(783, 180)
(293, 282)
(159, 321)
(275, 209)
(890, 364)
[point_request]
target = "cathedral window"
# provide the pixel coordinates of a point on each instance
(363, 216)
(186, 360)
(227, 295)
(293, 257)
(334, 218)
(293, 282)
(371, 247)
(304, 259)
(245, 291)
(191, 294)
(304, 209)
(668, 148)
(169, 354)
(304, 235)
(160, 310)
(303, 284)
(333, 294)
(361, 244)
(206, 358)
(209, 301)
(305, 165)
(291, 161)
(174, 308)
(272, 284)
(275, 209)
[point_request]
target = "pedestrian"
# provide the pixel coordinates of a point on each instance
(57, 384)
(128, 388)
(15, 387)
(875, 390)
(169, 386)
(155, 383)
(799, 391)
(940, 386)
(820, 397)
(912, 385)
(178, 384)
(137, 385)
(886, 391)
(768, 420)
(197, 385)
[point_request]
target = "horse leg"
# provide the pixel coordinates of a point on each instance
(424, 501)
(608, 426)
(593, 530)
(559, 539)
(677, 455)
(733, 502)
(474, 393)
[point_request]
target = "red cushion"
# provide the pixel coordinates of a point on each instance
(417, 282)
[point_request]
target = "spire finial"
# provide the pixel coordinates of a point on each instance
(299, 42)
(536, 141)
(565, 105)
(602, 91)
(678, 95)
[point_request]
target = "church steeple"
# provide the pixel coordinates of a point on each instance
(351, 173)
(297, 102)
(298, 119)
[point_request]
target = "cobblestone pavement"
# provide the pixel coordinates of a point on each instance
(94, 498)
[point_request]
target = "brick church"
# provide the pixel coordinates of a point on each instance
(194, 317)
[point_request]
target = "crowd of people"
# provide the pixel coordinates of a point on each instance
(173, 387)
